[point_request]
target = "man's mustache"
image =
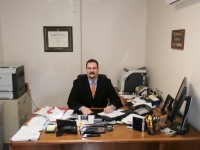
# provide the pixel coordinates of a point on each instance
(92, 73)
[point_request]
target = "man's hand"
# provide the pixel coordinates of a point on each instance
(109, 109)
(85, 110)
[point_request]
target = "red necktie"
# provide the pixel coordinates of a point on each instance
(93, 89)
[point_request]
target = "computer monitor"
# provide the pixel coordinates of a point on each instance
(178, 101)
(176, 106)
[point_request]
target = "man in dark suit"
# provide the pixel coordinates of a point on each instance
(93, 90)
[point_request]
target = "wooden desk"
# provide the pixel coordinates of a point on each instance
(120, 138)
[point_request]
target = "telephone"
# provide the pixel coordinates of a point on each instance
(142, 109)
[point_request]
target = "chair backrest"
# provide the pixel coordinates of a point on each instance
(83, 75)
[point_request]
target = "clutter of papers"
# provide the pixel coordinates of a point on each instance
(53, 113)
(126, 95)
(37, 121)
(129, 119)
(28, 133)
(138, 101)
(32, 131)
(115, 113)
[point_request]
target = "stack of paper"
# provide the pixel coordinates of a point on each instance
(129, 119)
(38, 121)
(138, 101)
(67, 114)
(53, 113)
(32, 131)
(127, 95)
(115, 113)
(28, 133)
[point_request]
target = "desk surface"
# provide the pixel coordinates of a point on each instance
(121, 135)
(120, 138)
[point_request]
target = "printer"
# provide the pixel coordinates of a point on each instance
(12, 82)
(129, 79)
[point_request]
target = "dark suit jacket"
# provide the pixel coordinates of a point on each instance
(81, 94)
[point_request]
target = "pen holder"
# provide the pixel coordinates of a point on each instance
(151, 130)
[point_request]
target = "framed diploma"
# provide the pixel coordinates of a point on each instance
(58, 39)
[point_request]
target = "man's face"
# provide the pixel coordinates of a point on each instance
(92, 70)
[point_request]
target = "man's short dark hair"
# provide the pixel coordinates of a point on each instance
(92, 61)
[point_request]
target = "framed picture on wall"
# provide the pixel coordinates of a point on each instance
(178, 39)
(58, 39)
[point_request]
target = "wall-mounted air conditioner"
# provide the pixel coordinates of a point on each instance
(175, 2)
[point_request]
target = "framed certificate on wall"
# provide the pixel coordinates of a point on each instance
(178, 39)
(58, 39)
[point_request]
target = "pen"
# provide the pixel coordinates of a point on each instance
(147, 121)
(155, 119)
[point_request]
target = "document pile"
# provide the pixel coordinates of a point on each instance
(27, 133)
(138, 101)
(53, 113)
(127, 95)
(114, 114)
(32, 131)
(129, 119)
(136, 121)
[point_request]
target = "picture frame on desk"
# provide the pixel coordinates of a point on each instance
(58, 39)
(166, 108)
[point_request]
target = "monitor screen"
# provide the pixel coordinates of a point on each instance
(178, 101)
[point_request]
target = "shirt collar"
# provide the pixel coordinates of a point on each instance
(95, 81)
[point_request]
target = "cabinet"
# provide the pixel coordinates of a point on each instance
(15, 113)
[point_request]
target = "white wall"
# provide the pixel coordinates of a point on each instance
(50, 75)
(113, 32)
(1, 47)
(168, 66)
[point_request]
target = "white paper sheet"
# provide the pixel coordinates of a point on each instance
(37, 121)
(129, 119)
(113, 114)
(67, 114)
(53, 113)
(28, 133)
(138, 101)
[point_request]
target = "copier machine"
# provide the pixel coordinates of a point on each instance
(12, 82)
(129, 79)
